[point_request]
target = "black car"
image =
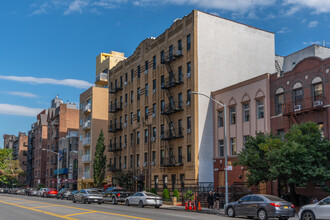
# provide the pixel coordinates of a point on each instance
(64, 193)
(261, 206)
(115, 195)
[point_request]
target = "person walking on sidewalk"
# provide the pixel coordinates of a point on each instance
(210, 200)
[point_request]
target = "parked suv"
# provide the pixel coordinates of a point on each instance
(115, 194)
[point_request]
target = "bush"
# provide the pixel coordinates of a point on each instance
(176, 194)
(153, 190)
(166, 195)
(189, 196)
(41, 186)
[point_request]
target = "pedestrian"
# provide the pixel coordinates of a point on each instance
(210, 200)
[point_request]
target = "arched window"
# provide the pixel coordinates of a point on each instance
(279, 101)
(317, 88)
(297, 93)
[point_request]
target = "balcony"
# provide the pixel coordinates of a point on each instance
(115, 127)
(114, 168)
(172, 108)
(86, 141)
(86, 158)
(303, 106)
(172, 57)
(55, 122)
(115, 108)
(170, 162)
(115, 147)
(86, 175)
(115, 89)
(87, 125)
(171, 134)
(171, 82)
(101, 79)
(88, 108)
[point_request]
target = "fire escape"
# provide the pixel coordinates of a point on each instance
(167, 110)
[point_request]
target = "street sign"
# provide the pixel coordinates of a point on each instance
(229, 168)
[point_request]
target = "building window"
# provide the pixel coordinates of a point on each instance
(180, 127)
(221, 148)
(138, 93)
(189, 68)
(317, 91)
(154, 132)
(189, 123)
(131, 118)
(154, 156)
(138, 71)
(246, 112)
(146, 66)
(180, 46)
(162, 81)
(138, 115)
(125, 140)
(189, 95)
(180, 100)
(180, 73)
(137, 160)
(154, 62)
(146, 92)
(125, 162)
(162, 57)
(154, 86)
(279, 103)
(233, 146)
(132, 96)
(156, 182)
(298, 96)
(232, 112)
(146, 112)
(131, 161)
(260, 109)
(321, 128)
(137, 137)
(131, 139)
(245, 139)
(220, 119)
(170, 52)
(188, 42)
(162, 157)
(165, 181)
(162, 130)
(126, 77)
(145, 135)
(180, 154)
(162, 104)
(126, 99)
(189, 153)
(126, 118)
(154, 108)
(132, 75)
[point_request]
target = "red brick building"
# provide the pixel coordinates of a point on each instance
(301, 95)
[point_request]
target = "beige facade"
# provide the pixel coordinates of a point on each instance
(248, 112)
(93, 116)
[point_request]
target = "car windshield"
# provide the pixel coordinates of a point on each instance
(151, 194)
(93, 192)
(274, 198)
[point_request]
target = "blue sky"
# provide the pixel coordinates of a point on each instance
(48, 47)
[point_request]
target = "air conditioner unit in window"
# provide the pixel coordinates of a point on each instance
(145, 164)
(188, 130)
(152, 163)
(317, 103)
(124, 145)
(179, 52)
(125, 83)
(188, 102)
(297, 108)
(153, 138)
(154, 90)
(146, 72)
(153, 115)
(125, 124)
(188, 75)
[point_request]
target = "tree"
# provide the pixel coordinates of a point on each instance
(10, 169)
(124, 179)
(100, 159)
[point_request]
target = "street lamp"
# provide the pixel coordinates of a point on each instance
(58, 165)
(225, 116)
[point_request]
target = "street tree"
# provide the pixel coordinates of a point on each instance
(10, 169)
(124, 179)
(100, 159)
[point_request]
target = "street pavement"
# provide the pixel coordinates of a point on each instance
(15, 207)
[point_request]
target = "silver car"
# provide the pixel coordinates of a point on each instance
(89, 196)
(320, 210)
(261, 206)
(144, 199)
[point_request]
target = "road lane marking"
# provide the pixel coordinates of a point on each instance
(22, 202)
(81, 213)
(37, 210)
(87, 210)
(44, 206)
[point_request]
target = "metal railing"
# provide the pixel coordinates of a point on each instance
(85, 158)
(87, 124)
(86, 141)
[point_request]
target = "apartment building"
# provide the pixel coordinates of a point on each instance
(300, 95)
(93, 116)
(8, 141)
(68, 167)
(39, 141)
(30, 159)
(248, 113)
(158, 130)
(61, 118)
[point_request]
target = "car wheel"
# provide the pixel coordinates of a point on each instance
(99, 203)
(231, 212)
(67, 198)
(308, 216)
(89, 202)
(73, 200)
(84, 201)
(141, 204)
(157, 207)
(114, 201)
(62, 198)
(127, 202)
(57, 197)
(262, 214)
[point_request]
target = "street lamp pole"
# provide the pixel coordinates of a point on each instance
(225, 143)
(58, 166)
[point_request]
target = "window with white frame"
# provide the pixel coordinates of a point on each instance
(233, 146)
(246, 112)
(260, 109)
(221, 148)
(232, 113)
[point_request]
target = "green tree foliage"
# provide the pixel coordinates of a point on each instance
(166, 195)
(10, 169)
(153, 190)
(189, 196)
(176, 194)
(124, 179)
(303, 156)
(100, 160)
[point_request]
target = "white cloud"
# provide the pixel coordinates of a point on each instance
(7, 109)
(284, 30)
(76, 6)
(318, 6)
(292, 10)
(80, 84)
(312, 24)
(23, 94)
(312, 42)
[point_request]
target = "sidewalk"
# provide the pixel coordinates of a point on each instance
(204, 210)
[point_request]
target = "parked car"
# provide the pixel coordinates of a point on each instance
(33, 192)
(70, 197)
(89, 196)
(115, 195)
(63, 193)
(319, 210)
(144, 199)
(41, 192)
(50, 193)
(261, 206)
